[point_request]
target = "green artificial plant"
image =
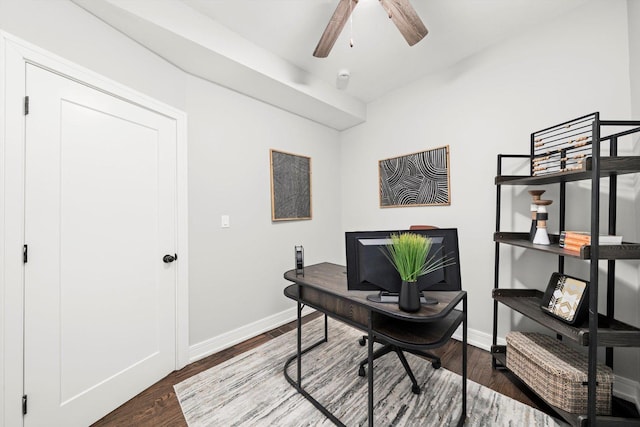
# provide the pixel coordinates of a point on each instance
(409, 254)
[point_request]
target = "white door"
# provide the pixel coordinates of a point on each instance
(100, 303)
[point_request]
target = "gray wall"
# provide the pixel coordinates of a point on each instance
(236, 272)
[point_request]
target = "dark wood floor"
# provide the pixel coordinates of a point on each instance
(158, 406)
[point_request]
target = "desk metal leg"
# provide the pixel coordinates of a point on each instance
(300, 352)
(463, 415)
(326, 328)
(298, 357)
(370, 371)
(299, 367)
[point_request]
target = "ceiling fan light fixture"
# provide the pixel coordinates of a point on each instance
(342, 79)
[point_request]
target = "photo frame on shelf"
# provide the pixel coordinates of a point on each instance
(566, 298)
(290, 186)
(416, 179)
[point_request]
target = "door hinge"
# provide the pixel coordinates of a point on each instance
(26, 105)
(24, 405)
(25, 253)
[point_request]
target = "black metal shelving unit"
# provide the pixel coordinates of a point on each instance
(589, 165)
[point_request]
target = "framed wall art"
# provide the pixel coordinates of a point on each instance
(417, 179)
(290, 186)
(566, 298)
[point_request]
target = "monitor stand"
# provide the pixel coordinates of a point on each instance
(392, 297)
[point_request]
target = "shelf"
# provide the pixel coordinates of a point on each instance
(609, 166)
(623, 251)
(578, 145)
(611, 333)
(499, 352)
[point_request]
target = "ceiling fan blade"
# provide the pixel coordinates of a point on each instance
(406, 19)
(334, 28)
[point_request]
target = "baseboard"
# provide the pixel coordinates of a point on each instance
(213, 345)
(478, 339)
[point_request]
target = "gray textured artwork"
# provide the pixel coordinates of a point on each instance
(419, 179)
(290, 186)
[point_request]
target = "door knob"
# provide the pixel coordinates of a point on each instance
(169, 258)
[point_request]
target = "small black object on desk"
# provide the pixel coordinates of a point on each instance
(299, 260)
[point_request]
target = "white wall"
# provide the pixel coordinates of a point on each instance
(634, 54)
(485, 105)
(236, 272)
(634, 72)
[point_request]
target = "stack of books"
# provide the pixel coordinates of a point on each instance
(574, 240)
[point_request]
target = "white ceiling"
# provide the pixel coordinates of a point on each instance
(275, 39)
(380, 60)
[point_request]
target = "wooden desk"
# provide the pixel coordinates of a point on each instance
(324, 287)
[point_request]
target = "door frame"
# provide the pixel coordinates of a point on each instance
(14, 54)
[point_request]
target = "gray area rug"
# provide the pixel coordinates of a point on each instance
(250, 389)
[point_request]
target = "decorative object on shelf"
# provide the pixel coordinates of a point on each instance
(562, 148)
(535, 195)
(418, 179)
(290, 186)
(566, 298)
(299, 261)
(574, 240)
(557, 372)
(409, 254)
(542, 237)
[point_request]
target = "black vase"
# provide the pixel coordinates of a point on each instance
(409, 299)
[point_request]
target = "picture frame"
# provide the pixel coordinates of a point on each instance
(566, 298)
(290, 186)
(416, 179)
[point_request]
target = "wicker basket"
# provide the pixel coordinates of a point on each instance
(557, 373)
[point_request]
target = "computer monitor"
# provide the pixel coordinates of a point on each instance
(369, 269)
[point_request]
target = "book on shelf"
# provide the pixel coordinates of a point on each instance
(571, 240)
(573, 247)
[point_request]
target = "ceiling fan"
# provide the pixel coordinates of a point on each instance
(400, 11)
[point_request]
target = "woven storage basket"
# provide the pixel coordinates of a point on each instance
(557, 373)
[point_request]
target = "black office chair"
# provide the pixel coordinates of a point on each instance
(388, 348)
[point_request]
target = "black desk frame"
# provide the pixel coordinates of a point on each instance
(328, 294)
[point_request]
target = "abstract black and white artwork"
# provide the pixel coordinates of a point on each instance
(418, 179)
(290, 186)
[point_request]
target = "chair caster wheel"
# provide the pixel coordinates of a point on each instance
(415, 389)
(362, 341)
(436, 364)
(361, 371)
